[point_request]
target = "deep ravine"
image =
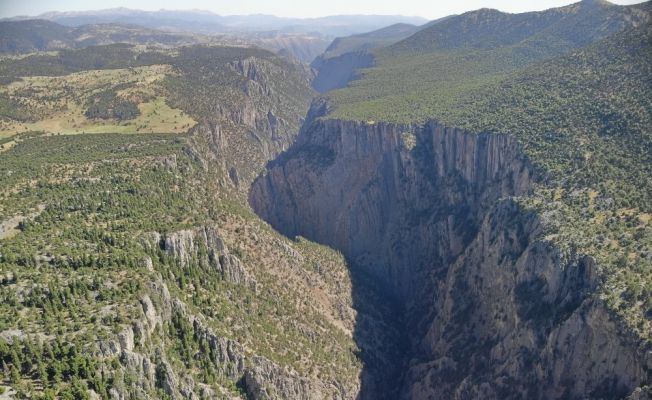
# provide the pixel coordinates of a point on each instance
(466, 299)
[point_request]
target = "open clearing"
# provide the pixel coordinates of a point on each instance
(56, 105)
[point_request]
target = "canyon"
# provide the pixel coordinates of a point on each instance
(458, 209)
(488, 307)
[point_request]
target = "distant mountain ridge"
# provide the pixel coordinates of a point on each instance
(30, 36)
(337, 65)
(300, 38)
(370, 40)
(199, 21)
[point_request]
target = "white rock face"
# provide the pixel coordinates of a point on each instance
(126, 339)
(185, 245)
(152, 319)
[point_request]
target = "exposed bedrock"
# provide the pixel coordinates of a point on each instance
(489, 308)
(388, 203)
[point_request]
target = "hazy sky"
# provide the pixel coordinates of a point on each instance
(289, 8)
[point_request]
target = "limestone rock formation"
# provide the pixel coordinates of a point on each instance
(205, 245)
(260, 377)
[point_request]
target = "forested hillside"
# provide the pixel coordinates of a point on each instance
(130, 267)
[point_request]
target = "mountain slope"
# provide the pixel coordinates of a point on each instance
(462, 54)
(34, 35)
(566, 27)
(338, 64)
(129, 267)
(170, 299)
(369, 40)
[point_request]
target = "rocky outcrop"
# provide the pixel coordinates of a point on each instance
(491, 309)
(214, 135)
(141, 352)
(266, 381)
(204, 245)
(144, 363)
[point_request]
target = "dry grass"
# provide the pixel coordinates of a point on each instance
(57, 103)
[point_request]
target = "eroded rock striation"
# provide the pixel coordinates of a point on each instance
(491, 309)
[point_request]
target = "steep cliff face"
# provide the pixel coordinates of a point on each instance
(256, 116)
(491, 310)
(336, 72)
(381, 193)
(514, 317)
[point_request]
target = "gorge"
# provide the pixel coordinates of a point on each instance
(455, 209)
(428, 212)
